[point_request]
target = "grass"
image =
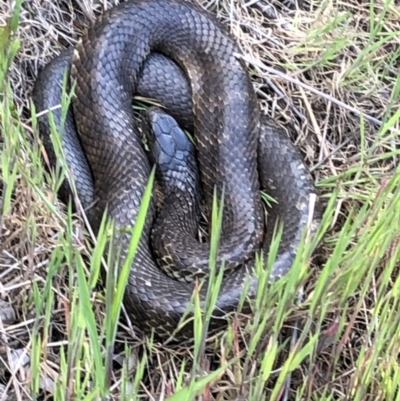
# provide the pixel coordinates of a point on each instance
(330, 330)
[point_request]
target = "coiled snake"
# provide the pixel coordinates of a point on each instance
(182, 56)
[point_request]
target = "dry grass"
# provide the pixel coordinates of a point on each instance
(317, 68)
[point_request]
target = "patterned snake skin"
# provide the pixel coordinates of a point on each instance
(180, 55)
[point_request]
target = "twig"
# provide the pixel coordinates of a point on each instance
(295, 81)
(345, 142)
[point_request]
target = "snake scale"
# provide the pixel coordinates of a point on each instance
(182, 56)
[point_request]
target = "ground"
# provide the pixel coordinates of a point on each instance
(326, 71)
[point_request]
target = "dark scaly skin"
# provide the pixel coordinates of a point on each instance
(177, 176)
(47, 93)
(153, 300)
(282, 172)
(106, 69)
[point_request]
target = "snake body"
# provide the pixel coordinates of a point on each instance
(179, 54)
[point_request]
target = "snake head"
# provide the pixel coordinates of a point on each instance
(170, 149)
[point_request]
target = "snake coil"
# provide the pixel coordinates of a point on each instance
(183, 57)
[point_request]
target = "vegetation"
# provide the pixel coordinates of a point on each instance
(328, 71)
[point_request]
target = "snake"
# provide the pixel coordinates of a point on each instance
(181, 55)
